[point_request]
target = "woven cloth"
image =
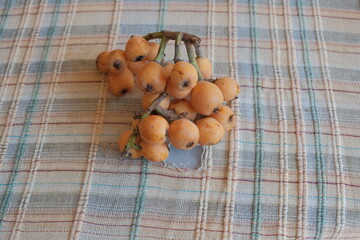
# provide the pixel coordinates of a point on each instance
(289, 170)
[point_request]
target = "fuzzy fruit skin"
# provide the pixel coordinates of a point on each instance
(176, 93)
(229, 87)
(124, 139)
(102, 62)
(136, 49)
(181, 106)
(183, 76)
(153, 129)
(135, 67)
(117, 61)
(168, 68)
(153, 50)
(205, 66)
(226, 117)
(211, 131)
(154, 153)
(206, 98)
(120, 83)
(183, 134)
(152, 78)
(147, 99)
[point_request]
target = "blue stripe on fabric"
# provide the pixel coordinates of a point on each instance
(200, 30)
(28, 120)
(259, 152)
(5, 15)
(320, 162)
(224, 141)
(178, 190)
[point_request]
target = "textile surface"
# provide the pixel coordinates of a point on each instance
(289, 170)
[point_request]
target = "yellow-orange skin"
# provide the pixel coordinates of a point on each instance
(176, 93)
(117, 61)
(102, 62)
(153, 129)
(135, 67)
(229, 87)
(183, 134)
(153, 51)
(147, 99)
(226, 117)
(136, 49)
(211, 131)
(205, 66)
(124, 139)
(206, 98)
(152, 78)
(168, 68)
(154, 153)
(183, 106)
(120, 83)
(183, 76)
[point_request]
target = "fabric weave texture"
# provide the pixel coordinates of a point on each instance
(289, 170)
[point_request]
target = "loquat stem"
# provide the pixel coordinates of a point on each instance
(198, 50)
(187, 38)
(192, 60)
(169, 114)
(160, 55)
(131, 143)
(177, 46)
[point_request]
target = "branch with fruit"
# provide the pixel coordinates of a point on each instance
(182, 105)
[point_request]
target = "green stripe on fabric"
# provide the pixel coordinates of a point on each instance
(259, 152)
(141, 194)
(5, 15)
(28, 119)
(140, 200)
(320, 162)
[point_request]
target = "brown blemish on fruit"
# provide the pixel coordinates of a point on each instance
(117, 65)
(124, 91)
(190, 144)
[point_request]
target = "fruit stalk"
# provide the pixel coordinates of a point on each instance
(160, 55)
(177, 46)
(186, 37)
(192, 60)
(198, 50)
(169, 114)
(155, 104)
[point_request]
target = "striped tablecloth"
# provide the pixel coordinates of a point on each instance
(289, 170)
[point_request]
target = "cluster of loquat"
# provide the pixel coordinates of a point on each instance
(183, 105)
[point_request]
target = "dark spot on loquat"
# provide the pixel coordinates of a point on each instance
(231, 118)
(139, 58)
(117, 65)
(124, 91)
(186, 83)
(190, 144)
(149, 87)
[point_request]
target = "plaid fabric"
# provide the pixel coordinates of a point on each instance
(289, 170)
